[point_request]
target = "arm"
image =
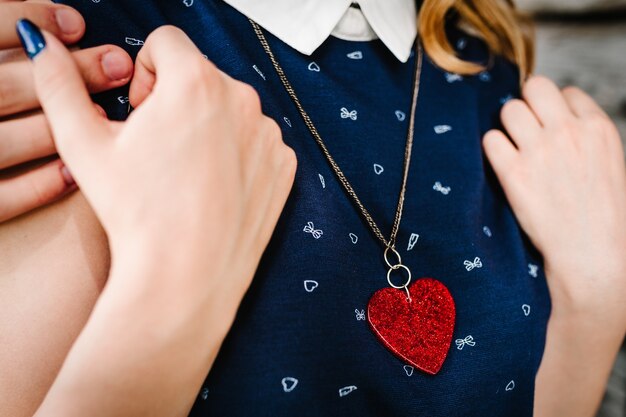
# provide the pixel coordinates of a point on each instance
(580, 351)
(564, 176)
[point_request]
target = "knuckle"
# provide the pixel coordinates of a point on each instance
(44, 13)
(511, 107)
(536, 83)
(200, 79)
(45, 191)
(54, 81)
(572, 90)
(598, 121)
(567, 130)
(249, 97)
(290, 161)
(491, 137)
(196, 72)
(274, 131)
(6, 151)
(602, 124)
(164, 31)
(5, 94)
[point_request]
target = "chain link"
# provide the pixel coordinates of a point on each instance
(338, 172)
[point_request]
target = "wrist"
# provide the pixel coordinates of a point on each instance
(587, 292)
(170, 291)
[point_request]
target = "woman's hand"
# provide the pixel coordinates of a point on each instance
(24, 132)
(564, 176)
(189, 190)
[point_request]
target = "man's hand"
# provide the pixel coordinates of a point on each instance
(26, 180)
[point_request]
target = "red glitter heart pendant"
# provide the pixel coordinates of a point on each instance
(418, 331)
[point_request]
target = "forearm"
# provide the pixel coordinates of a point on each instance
(142, 352)
(581, 346)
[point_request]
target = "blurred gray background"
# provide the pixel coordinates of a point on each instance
(583, 43)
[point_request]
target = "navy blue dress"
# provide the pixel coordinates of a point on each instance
(301, 345)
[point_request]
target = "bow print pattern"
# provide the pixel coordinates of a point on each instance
(443, 190)
(469, 341)
(451, 77)
(360, 314)
(310, 228)
(345, 114)
(469, 265)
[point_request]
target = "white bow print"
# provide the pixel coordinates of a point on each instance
(460, 343)
(443, 190)
(469, 265)
(345, 114)
(310, 228)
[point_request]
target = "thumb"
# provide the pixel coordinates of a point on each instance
(74, 120)
(166, 50)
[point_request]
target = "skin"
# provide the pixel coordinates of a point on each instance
(65, 244)
(576, 236)
(175, 312)
(102, 155)
(564, 176)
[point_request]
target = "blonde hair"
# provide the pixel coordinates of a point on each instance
(498, 23)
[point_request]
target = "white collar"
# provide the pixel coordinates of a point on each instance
(306, 24)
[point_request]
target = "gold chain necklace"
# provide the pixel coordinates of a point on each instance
(388, 244)
(383, 311)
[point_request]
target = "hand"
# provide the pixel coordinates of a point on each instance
(196, 177)
(24, 133)
(564, 176)
(189, 190)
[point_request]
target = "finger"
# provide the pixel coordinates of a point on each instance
(170, 51)
(581, 103)
(75, 123)
(36, 188)
(11, 55)
(102, 68)
(501, 154)
(546, 101)
(25, 139)
(520, 123)
(62, 21)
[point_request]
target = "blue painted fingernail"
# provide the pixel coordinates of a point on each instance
(31, 37)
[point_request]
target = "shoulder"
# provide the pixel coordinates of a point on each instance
(497, 83)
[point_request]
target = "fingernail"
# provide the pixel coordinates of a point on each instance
(31, 38)
(67, 176)
(115, 66)
(69, 21)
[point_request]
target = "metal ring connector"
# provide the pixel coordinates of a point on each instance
(395, 252)
(394, 268)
